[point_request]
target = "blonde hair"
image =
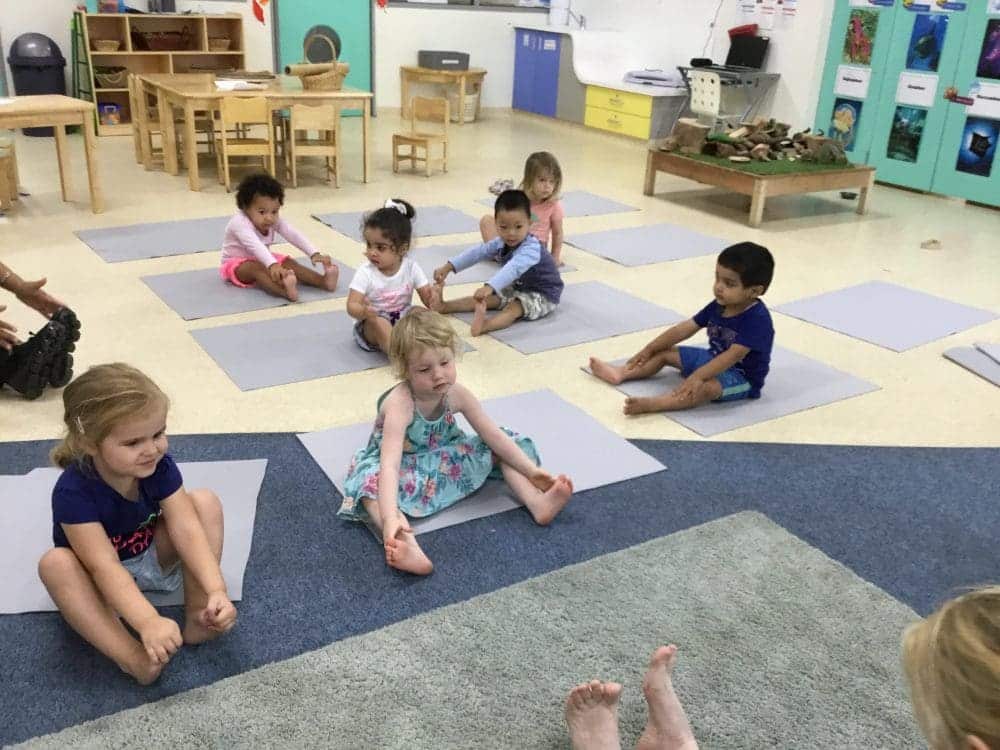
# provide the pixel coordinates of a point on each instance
(952, 662)
(538, 164)
(98, 400)
(420, 329)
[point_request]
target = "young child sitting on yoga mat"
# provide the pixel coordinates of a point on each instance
(542, 182)
(246, 259)
(382, 288)
(418, 461)
(740, 338)
(122, 523)
(528, 284)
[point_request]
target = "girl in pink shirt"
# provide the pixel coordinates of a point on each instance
(246, 258)
(542, 182)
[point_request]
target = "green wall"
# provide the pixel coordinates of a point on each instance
(350, 18)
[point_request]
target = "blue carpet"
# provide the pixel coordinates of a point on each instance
(918, 523)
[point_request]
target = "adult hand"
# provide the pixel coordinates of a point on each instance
(161, 638)
(7, 338)
(31, 294)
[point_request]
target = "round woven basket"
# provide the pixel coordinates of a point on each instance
(106, 45)
(111, 77)
(332, 80)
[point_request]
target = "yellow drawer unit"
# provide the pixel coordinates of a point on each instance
(617, 122)
(625, 102)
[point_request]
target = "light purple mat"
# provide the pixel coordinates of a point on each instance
(26, 528)
(795, 383)
(430, 221)
(888, 315)
(975, 361)
(157, 240)
(990, 350)
(433, 256)
(593, 458)
(204, 294)
(586, 312)
(578, 203)
(654, 243)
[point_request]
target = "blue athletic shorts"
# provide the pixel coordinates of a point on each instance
(734, 385)
(149, 576)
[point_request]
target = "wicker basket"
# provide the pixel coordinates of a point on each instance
(115, 77)
(332, 80)
(106, 45)
(219, 43)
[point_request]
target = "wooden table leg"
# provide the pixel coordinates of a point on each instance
(191, 147)
(404, 93)
(757, 202)
(365, 119)
(167, 133)
(647, 188)
(340, 149)
(90, 149)
(62, 155)
(478, 88)
(863, 197)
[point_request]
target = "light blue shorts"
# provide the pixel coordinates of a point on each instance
(734, 385)
(149, 576)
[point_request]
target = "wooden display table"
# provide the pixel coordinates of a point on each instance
(467, 81)
(760, 187)
(59, 111)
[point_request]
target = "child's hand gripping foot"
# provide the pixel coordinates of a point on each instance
(479, 317)
(556, 492)
(667, 726)
(402, 551)
(217, 617)
(331, 272)
(592, 716)
(286, 278)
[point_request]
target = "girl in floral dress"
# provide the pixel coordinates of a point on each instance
(418, 460)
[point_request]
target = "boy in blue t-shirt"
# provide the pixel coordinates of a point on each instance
(740, 338)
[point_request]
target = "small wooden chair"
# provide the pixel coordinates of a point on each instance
(302, 119)
(146, 125)
(8, 172)
(423, 110)
(239, 113)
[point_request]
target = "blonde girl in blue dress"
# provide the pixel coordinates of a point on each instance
(418, 460)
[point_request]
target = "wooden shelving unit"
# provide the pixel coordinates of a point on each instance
(187, 38)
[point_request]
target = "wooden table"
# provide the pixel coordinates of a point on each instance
(192, 92)
(466, 80)
(57, 111)
(760, 187)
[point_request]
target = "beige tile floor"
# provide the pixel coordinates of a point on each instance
(818, 242)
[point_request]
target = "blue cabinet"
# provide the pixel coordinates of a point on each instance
(536, 71)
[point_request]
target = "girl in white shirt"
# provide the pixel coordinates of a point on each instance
(382, 289)
(246, 258)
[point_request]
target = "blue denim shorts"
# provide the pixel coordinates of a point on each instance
(734, 385)
(149, 576)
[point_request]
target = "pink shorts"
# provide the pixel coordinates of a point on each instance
(228, 269)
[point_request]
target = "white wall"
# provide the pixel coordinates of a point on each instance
(257, 43)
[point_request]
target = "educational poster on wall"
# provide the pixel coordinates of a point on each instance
(985, 100)
(844, 122)
(934, 6)
(860, 37)
(989, 56)
(978, 146)
(870, 3)
(994, 6)
(852, 81)
(905, 134)
(916, 89)
(926, 42)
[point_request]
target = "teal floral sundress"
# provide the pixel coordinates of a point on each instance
(441, 464)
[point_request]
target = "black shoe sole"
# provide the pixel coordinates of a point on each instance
(33, 366)
(61, 370)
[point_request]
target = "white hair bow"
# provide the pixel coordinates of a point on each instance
(390, 203)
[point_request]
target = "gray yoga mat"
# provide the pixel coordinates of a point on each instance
(288, 350)
(430, 220)
(578, 203)
(974, 360)
(888, 315)
(655, 243)
(26, 528)
(593, 458)
(140, 241)
(433, 256)
(586, 312)
(204, 294)
(780, 647)
(990, 350)
(795, 383)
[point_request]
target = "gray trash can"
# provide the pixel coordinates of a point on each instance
(36, 65)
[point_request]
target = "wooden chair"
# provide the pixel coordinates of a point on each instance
(423, 111)
(8, 172)
(146, 125)
(303, 119)
(238, 113)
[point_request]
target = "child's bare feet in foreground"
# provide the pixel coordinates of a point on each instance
(195, 628)
(606, 371)
(479, 318)
(667, 727)
(330, 277)
(290, 284)
(636, 405)
(592, 716)
(403, 553)
(553, 500)
(142, 669)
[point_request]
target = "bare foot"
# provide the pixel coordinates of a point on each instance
(592, 716)
(195, 631)
(330, 277)
(403, 553)
(667, 727)
(479, 318)
(552, 501)
(142, 670)
(437, 298)
(635, 405)
(290, 283)
(607, 372)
